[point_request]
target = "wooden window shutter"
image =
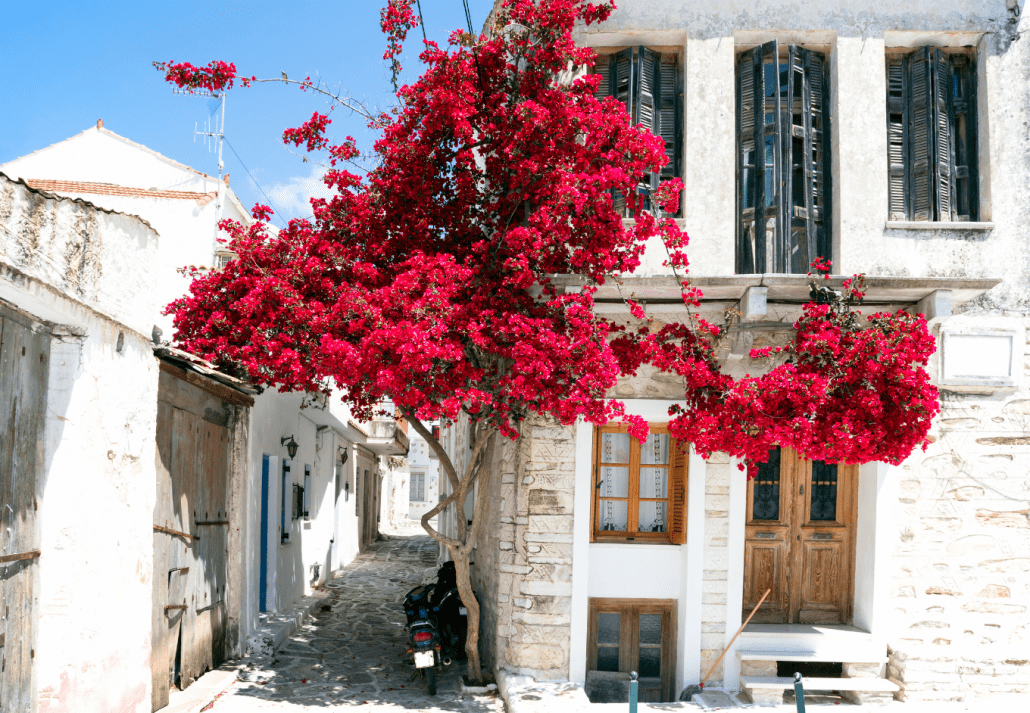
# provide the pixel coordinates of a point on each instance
(646, 93)
(752, 130)
(898, 137)
(678, 492)
(617, 80)
(784, 163)
(921, 144)
(942, 173)
(964, 161)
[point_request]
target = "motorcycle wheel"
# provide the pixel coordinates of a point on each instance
(431, 679)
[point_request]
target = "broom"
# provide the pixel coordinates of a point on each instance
(692, 690)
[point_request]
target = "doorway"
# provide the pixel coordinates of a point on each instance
(800, 541)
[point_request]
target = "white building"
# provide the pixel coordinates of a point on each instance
(267, 526)
(916, 575)
(424, 479)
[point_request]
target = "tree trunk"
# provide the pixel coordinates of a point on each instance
(461, 547)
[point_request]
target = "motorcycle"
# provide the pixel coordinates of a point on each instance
(437, 624)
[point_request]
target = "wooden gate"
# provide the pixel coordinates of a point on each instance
(24, 361)
(191, 518)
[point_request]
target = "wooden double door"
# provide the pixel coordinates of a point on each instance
(800, 541)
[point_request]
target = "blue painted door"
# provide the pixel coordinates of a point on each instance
(265, 475)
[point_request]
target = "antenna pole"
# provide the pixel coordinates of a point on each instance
(221, 166)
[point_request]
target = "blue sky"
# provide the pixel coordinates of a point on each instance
(66, 64)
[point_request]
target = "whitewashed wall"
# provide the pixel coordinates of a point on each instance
(96, 499)
(187, 229)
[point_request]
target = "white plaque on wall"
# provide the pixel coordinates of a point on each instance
(983, 358)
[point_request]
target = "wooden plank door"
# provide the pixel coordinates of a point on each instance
(190, 535)
(799, 541)
(24, 362)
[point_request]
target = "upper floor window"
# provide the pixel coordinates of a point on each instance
(931, 136)
(783, 170)
(650, 84)
(639, 488)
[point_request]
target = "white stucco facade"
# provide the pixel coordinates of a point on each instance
(126, 272)
(96, 495)
(945, 618)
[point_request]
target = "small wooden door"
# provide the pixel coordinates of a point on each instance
(24, 361)
(635, 635)
(799, 541)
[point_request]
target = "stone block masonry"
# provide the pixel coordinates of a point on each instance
(716, 564)
(960, 587)
(524, 557)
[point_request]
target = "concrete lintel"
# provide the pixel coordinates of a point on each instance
(935, 306)
(754, 304)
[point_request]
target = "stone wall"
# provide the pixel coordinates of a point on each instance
(961, 569)
(716, 562)
(524, 563)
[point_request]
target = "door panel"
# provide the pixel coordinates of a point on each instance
(24, 362)
(766, 568)
(802, 547)
(822, 590)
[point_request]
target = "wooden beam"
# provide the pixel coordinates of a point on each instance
(211, 386)
(170, 531)
(30, 555)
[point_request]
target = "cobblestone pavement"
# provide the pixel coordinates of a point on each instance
(351, 654)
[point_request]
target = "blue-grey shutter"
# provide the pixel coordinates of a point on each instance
(898, 138)
(804, 172)
(921, 144)
(670, 114)
(617, 81)
(758, 117)
(783, 170)
(965, 174)
(645, 110)
(942, 174)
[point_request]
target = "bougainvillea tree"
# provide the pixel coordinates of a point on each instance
(427, 281)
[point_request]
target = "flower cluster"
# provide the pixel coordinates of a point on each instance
(430, 279)
(214, 77)
(395, 20)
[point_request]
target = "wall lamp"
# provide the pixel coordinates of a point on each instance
(344, 453)
(291, 445)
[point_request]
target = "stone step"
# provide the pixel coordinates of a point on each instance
(771, 683)
(804, 656)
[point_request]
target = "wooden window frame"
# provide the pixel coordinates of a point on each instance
(676, 502)
(412, 490)
(629, 611)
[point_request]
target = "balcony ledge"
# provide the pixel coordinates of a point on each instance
(386, 438)
(784, 289)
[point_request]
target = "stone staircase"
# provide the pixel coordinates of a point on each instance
(863, 662)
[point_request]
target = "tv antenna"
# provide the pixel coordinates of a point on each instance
(208, 136)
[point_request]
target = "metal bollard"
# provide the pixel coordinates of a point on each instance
(633, 683)
(799, 693)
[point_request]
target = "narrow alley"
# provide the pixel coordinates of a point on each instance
(352, 652)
